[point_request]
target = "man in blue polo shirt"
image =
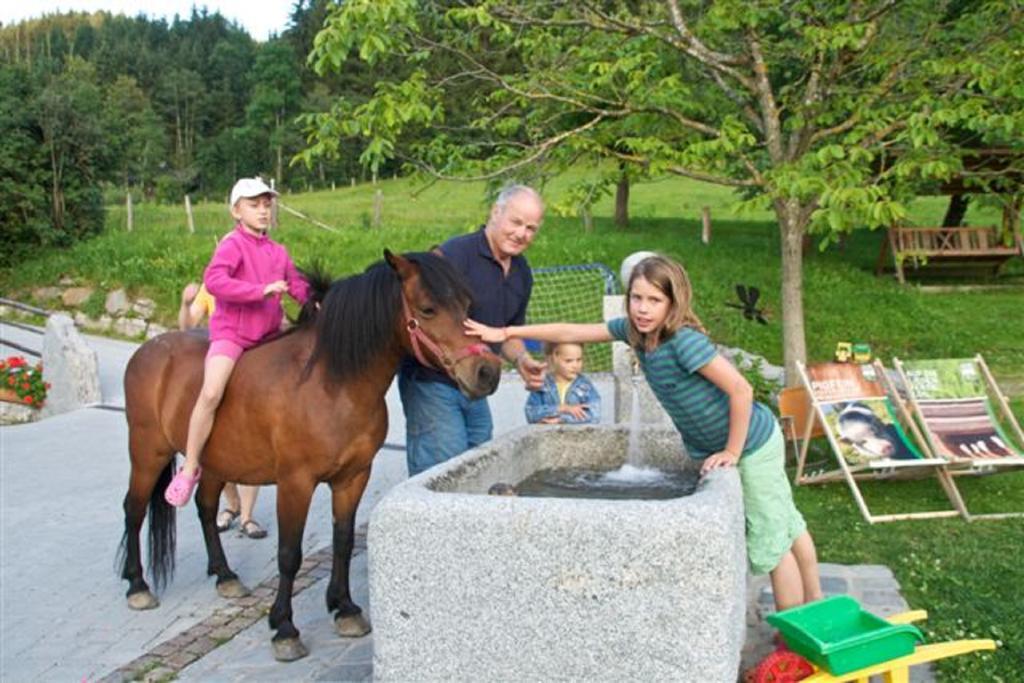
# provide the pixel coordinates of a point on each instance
(440, 422)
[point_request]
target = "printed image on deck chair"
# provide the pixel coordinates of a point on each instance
(871, 436)
(963, 413)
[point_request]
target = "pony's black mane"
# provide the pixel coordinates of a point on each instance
(319, 279)
(356, 320)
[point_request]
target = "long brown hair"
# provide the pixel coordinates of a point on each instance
(670, 278)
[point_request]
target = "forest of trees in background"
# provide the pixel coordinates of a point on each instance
(96, 105)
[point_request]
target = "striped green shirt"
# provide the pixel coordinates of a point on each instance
(698, 408)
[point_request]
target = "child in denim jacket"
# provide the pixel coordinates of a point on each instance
(567, 395)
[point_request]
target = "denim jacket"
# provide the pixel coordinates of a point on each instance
(544, 403)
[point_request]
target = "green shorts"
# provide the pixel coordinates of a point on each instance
(773, 522)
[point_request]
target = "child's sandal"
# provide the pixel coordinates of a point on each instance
(226, 519)
(181, 487)
(252, 529)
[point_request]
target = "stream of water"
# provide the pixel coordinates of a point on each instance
(632, 480)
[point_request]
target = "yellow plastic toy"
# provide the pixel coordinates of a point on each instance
(898, 670)
(861, 353)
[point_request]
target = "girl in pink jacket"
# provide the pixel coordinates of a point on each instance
(247, 276)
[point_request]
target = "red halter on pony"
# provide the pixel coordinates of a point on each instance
(417, 337)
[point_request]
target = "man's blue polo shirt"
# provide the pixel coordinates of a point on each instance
(499, 300)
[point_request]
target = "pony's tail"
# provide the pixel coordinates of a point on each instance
(162, 534)
(319, 281)
(162, 531)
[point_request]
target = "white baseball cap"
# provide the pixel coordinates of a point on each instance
(629, 263)
(250, 187)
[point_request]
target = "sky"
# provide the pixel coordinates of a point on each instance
(259, 17)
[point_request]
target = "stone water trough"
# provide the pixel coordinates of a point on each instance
(477, 587)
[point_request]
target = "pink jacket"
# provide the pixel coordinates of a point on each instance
(241, 267)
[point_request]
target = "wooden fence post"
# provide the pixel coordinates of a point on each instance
(378, 207)
(128, 210)
(705, 231)
(188, 212)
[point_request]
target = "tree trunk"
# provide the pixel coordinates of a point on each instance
(794, 343)
(280, 164)
(56, 189)
(956, 211)
(280, 148)
(177, 134)
(622, 202)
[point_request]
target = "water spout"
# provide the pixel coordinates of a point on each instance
(633, 449)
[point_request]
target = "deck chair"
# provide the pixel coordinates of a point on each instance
(867, 431)
(795, 410)
(953, 400)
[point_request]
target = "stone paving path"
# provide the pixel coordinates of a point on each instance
(168, 659)
(233, 644)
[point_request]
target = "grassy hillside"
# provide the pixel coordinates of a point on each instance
(843, 299)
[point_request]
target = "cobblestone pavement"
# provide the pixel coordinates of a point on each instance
(169, 658)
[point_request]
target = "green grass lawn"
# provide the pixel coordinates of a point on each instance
(968, 576)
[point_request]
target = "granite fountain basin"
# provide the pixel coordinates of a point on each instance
(470, 586)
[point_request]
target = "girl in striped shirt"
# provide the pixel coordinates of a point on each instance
(712, 405)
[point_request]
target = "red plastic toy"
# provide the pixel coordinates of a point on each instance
(781, 666)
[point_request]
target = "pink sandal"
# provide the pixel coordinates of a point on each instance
(180, 489)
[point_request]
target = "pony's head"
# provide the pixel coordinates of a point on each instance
(416, 301)
(435, 303)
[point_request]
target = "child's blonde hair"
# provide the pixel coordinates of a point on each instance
(670, 278)
(551, 347)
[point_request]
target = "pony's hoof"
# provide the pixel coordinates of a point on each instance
(352, 626)
(143, 600)
(289, 649)
(232, 588)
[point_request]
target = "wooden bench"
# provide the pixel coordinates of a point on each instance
(948, 250)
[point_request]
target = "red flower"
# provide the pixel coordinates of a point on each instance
(26, 380)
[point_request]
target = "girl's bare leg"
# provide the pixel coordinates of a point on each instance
(215, 378)
(807, 560)
(247, 495)
(232, 501)
(786, 583)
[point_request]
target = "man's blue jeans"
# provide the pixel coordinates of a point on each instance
(440, 422)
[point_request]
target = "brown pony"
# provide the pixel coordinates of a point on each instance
(305, 408)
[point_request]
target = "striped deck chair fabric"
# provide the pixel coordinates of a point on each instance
(868, 434)
(953, 403)
(965, 417)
